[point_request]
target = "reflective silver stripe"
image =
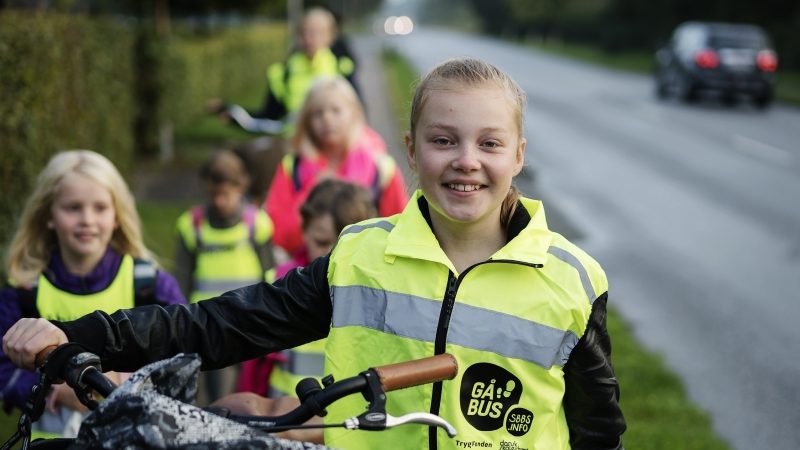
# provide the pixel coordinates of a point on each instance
(388, 226)
(570, 259)
(222, 285)
(471, 327)
(302, 363)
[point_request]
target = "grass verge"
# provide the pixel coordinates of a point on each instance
(655, 403)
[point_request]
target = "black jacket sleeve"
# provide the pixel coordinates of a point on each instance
(239, 325)
(591, 400)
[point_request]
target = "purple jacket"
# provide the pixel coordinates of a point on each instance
(15, 384)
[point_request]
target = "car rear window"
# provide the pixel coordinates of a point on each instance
(737, 39)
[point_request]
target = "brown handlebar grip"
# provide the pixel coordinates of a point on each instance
(416, 372)
(41, 357)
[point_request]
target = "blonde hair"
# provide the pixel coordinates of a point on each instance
(460, 73)
(32, 245)
(324, 88)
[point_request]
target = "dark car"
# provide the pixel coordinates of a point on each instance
(727, 59)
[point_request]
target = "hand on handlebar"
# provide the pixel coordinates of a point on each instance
(27, 338)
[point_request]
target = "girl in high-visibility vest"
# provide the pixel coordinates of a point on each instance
(331, 140)
(468, 268)
(78, 249)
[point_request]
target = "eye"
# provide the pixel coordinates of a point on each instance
(491, 144)
(441, 141)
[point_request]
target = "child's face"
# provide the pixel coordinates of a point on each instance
(331, 120)
(83, 218)
(315, 34)
(466, 149)
(225, 198)
(319, 236)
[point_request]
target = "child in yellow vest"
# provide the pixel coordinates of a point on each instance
(78, 248)
(469, 268)
(223, 244)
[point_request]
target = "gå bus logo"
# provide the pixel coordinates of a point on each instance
(487, 393)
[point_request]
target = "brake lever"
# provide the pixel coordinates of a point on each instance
(381, 421)
(421, 418)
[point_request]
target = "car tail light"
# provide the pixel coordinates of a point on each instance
(767, 61)
(706, 59)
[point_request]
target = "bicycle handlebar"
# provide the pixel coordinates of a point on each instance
(420, 371)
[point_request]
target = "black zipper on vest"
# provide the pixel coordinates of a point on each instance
(439, 347)
(441, 334)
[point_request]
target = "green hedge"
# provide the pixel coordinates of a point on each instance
(70, 81)
(64, 83)
(227, 64)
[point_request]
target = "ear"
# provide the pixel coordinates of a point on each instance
(50, 224)
(523, 143)
(410, 152)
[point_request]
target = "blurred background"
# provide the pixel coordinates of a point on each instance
(655, 155)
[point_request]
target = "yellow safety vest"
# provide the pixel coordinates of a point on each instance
(511, 322)
(289, 81)
(56, 304)
(225, 257)
(53, 303)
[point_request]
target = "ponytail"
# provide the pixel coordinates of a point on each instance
(509, 206)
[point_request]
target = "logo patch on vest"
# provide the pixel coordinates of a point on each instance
(488, 392)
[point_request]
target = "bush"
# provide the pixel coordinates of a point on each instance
(65, 83)
(227, 64)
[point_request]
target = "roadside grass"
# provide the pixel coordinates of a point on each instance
(660, 416)
(787, 88)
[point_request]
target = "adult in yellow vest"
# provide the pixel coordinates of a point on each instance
(469, 267)
(289, 81)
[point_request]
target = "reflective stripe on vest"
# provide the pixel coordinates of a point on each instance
(512, 327)
(225, 258)
(55, 304)
(305, 361)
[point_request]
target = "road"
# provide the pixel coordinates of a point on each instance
(693, 211)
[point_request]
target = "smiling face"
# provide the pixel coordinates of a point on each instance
(465, 150)
(84, 219)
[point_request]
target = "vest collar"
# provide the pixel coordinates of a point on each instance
(412, 235)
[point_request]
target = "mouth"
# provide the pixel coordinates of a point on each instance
(464, 187)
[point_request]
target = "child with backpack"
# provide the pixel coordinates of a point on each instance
(78, 248)
(223, 244)
(331, 140)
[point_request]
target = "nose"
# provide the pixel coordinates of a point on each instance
(466, 159)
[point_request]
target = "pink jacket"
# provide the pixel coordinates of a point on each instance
(367, 164)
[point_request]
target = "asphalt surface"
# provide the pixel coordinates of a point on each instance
(691, 209)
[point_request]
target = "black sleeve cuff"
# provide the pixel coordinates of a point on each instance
(89, 331)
